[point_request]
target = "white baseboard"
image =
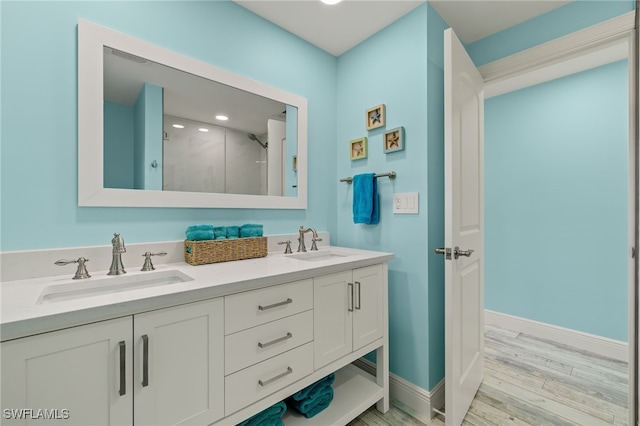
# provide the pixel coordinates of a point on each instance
(589, 342)
(419, 400)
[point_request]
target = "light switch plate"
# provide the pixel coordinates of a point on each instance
(405, 203)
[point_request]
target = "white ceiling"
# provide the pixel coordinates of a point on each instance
(338, 28)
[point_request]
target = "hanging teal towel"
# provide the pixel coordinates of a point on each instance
(365, 199)
(272, 416)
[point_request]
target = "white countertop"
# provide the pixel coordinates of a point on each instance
(21, 313)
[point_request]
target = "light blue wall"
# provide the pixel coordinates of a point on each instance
(399, 68)
(39, 85)
(574, 16)
(118, 146)
(556, 187)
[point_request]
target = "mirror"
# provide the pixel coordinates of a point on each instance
(148, 136)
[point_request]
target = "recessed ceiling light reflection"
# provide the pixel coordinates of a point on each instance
(222, 117)
(330, 1)
(178, 126)
(202, 129)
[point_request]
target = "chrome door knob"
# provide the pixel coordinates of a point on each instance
(457, 252)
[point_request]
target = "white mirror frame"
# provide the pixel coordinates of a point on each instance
(91, 192)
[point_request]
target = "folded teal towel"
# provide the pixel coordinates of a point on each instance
(312, 406)
(233, 232)
(202, 227)
(271, 416)
(200, 235)
(311, 390)
(365, 199)
(220, 232)
(250, 230)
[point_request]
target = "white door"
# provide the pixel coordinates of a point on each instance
(464, 229)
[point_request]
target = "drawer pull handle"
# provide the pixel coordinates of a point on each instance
(123, 368)
(145, 361)
(350, 297)
(273, 379)
(275, 305)
(264, 345)
(358, 293)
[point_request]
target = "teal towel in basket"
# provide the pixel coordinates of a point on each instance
(220, 232)
(314, 404)
(200, 232)
(250, 230)
(272, 416)
(233, 232)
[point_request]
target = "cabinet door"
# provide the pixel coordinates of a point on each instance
(332, 317)
(74, 376)
(368, 324)
(183, 365)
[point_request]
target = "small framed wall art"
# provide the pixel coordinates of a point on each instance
(394, 140)
(358, 148)
(375, 117)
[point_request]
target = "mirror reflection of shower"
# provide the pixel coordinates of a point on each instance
(202, 157)
(255, 138)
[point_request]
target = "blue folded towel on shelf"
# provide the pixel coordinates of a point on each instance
(233, 232)
(250, 230)
(314, 398)
(311, 406)
(365, 199)
(314, 388)
(271, 416)
(220, 232)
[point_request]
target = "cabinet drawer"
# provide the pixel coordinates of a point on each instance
(256, 344)
(246, 310)
(256, 382)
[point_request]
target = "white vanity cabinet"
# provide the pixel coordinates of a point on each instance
(237, 339)
(84, 370)
(179, 378)
(348, 312)
(164, 367)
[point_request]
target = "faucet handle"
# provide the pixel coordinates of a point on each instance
(81, 272)
(148, 266)
(287, 249)
(314, 247)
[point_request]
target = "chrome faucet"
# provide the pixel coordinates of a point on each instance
(118, 248)
(301, 245)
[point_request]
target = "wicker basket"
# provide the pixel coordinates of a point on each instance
(214, 251)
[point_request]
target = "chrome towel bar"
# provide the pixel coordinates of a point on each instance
(390, 175)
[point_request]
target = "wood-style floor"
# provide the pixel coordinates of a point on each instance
(530, 381)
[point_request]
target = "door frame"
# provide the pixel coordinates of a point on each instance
(600, 44)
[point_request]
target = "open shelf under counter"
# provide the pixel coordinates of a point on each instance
(354, 391)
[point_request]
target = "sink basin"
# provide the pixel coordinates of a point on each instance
(318, 256)
(109, 285)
